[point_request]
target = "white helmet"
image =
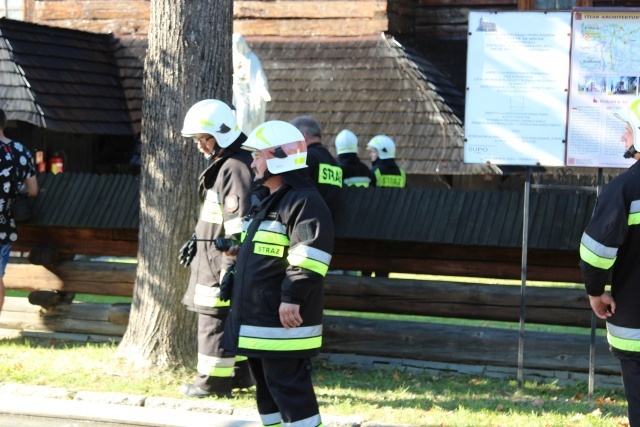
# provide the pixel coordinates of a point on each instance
(631, 114)
(212, 117)
(282, 144)
(385, 146)
(346, 142)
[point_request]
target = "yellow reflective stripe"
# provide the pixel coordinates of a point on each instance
(634, 218)
(215, 366)
(242, 236)
(331, 175)
(208, 296)
(266, 344)
(310, 258)
(270, 237)
(268, 250)
(593, 259)
(358, 181)
(617, 339)
(241, 358)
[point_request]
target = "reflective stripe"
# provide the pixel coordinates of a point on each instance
(627, 339)
(269, 237)
(358, 181)
(233, 226)
(310, 258)
(597, 254)
(313, 421)
(215, 366)
(241, 358)
(208, 296)
(271, 420)
(634, 213)
(212, 208)
(274, 226)
(268, 250)
(394, 181)
(331, 175)
(280, 339)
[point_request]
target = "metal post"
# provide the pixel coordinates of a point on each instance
(525, 243)
(592, 343)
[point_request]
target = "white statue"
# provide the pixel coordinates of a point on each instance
(250, 89)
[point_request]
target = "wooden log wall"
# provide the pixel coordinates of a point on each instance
(552, 306)
(298, 18)
(432, 342)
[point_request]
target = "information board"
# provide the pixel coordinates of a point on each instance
(517, 88)
(605, 65)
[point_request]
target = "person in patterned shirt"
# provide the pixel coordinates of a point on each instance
(17, 174)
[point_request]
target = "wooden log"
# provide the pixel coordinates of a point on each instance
(544, 305)
(464, 344)
(86, 318)
(308, 9)
(310, 27)
(81, 277)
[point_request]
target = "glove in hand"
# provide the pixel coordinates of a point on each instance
(226, 285)
(188, 251)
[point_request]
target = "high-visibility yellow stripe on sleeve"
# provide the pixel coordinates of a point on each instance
(596, 254)
(310, 258)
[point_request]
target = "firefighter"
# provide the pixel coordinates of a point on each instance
(225, 185)
(354, 172)
(609, 255)
(322, 166)
(277, 295)
(382, 152)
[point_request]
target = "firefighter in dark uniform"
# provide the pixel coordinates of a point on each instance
(609, 253)
(354, 172)
(322, 166)
(277, 296)
(382, 152)
(226, 186)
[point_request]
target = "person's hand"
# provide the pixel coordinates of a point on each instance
(603, 306)
(290, 315)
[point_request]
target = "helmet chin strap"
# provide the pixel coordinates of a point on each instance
(265, 177)
(630, 152)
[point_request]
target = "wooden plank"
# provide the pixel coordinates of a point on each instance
(308, 9)
(310, 27)
(464, 344)
(82, 277)
(550, 306)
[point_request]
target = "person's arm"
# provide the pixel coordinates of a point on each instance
(31, 185)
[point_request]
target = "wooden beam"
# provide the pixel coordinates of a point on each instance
(464, 344)
(310, 27)
(309, 9)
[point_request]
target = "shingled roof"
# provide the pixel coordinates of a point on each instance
(371, 85)
(60, 79)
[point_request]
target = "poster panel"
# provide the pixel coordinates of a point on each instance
(605, 66)
(517, 88)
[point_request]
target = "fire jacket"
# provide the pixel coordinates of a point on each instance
(609, 252)
(226, 185)
(354, 172)
(388, 174)
(325, 173)
(282, 258)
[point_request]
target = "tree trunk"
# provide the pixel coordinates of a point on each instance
(189, 59)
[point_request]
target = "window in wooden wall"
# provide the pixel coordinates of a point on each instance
(12, 9)
(552, 4)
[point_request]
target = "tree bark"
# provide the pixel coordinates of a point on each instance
(189, 59)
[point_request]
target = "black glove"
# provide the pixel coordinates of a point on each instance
(226, 285)
(188, 251)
